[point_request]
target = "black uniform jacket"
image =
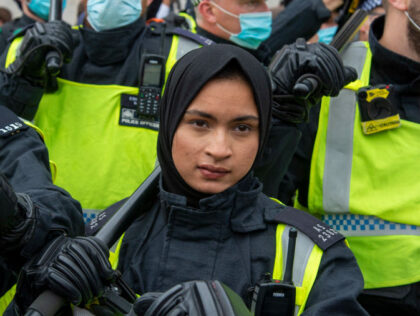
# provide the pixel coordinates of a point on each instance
(24, 161)
(387, 68)
(230, 238)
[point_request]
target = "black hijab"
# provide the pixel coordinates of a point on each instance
(185, 81)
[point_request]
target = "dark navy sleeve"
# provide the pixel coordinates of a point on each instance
(24, 161)
(278, 152)
(301, 18)
(337, 285)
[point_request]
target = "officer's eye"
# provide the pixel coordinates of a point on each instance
(199, 123)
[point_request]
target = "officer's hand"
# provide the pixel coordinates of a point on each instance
(301, 74)
(206, 298)
(38, 42)
(10, 213)
(77, 269)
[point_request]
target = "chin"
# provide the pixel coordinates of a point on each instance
(211, 188)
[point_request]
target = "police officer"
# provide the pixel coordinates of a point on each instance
(33, 11)
(220, 21)
(32, 217)
(210, 219)
(357, 168)
(94, 110)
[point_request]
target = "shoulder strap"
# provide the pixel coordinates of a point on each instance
(10, 123)
(319, 232)
(192, 36)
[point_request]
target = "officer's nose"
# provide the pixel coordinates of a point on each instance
(219, 145)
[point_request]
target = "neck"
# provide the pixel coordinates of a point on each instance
(395, 36)
(29, 13)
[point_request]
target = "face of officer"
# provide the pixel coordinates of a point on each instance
(217, 140)
(244, 22)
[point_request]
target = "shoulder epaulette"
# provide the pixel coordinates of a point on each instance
(10, 123)
(102, 218)
(192, 36)
(319, 232)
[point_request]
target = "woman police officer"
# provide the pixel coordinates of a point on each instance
(210, 220)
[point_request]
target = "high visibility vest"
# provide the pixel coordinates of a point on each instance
(367, 186)
(306, 263)
(99, 161)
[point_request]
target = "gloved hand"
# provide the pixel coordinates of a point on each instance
(17, 218)
(10, 213)
(77, 269)
(205, 298)
(301, 74)
(41, 39)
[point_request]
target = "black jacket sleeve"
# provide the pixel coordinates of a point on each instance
(337, 285)
(278, 152)
(301, 18)
(24, 161)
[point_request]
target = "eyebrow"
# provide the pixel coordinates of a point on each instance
(209, 116)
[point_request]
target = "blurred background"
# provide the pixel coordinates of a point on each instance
(70, 14)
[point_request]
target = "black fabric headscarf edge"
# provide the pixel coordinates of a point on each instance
(185, 81)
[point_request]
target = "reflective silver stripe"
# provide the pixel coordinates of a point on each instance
(303, 251)
(364, 225)
(339, 142)
(185, 45)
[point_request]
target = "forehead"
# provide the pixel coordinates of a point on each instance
(225, 96)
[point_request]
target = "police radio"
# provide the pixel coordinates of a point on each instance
(275, 297)
(152, 78)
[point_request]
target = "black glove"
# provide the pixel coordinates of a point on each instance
(204, 298)
(38, 42)
(10, 213)
(17, 218)
(77, 269)
(301, 74)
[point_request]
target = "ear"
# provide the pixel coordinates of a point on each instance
(207, 11)
(401, 5)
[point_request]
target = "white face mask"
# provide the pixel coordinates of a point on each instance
(412, 21)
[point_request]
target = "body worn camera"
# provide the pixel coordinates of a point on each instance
(377, 111)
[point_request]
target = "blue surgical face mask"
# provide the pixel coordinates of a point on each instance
(41, 8)
(326, 35)
(111, 14)
(255, 28)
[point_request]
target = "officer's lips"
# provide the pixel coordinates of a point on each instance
(212, 172)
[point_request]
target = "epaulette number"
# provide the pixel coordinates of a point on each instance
(12, 127)
(324, 233)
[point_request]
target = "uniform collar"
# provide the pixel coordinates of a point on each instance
(113, 46)
(237, 208)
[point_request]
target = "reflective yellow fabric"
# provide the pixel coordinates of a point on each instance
(383, 183)
(100, 162)
(191, 22)
(53, 165)
(6, 299)
(311, 270)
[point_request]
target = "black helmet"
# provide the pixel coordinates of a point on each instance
(203, 298)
